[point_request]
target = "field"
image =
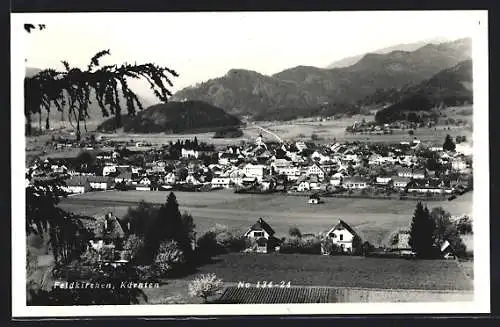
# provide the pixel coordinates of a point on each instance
(374, 219)
(340, 271)
(299, 129)
(316, 278)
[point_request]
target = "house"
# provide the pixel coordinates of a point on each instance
(336, 180)
(144, 181)
(124, 177)
(405, 172)
(170, 178)
(383, 180)
(303, 186)
(257, 171)
(262, 237)
(314, 199)
(418, 174)
(189, 153)
(107, 170)
(190, 179)
(224, 182)
(102, 183)
(400, 182)
(355, 182)
(77, 185)
(343, 236)
(320, 156)
(106, 232)
(300, 146)
(292, 173)
(447, 250)
(316, 170)
(436, 148)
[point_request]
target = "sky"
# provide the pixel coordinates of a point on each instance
(200, 46)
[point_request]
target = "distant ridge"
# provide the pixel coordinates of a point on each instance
(249, 93)
(449, 87)
(348, 61)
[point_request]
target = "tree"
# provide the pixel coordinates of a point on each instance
(445, 230)
(448, 144)
(167, 226)
(295, 232)
(422, 232)
(74, 88)
(170, 258)
(140, 218)
(205, 286)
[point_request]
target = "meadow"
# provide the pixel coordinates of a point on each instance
(374, 219)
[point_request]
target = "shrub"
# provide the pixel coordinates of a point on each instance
(310, 245)
(205, 286)
(90, 257)
(134, 245)
(31, 262)
(329, 248)
(170, 258)
(464, 225)
(147, 272)
(220, 240)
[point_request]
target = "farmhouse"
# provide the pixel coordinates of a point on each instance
(262, 235)
(342, 235)
(107, 233)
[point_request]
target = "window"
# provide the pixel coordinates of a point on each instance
(341, 237)
(258, 234)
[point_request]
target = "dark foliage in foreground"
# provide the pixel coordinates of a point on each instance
(71, 90)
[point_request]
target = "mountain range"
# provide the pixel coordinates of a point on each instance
(349, 61)
(244, 92)
(449, 87)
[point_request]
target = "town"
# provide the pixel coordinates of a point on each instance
(408, 169)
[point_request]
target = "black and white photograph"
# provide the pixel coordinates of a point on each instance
(222, 163)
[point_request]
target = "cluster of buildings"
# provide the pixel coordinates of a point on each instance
(294, 167)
